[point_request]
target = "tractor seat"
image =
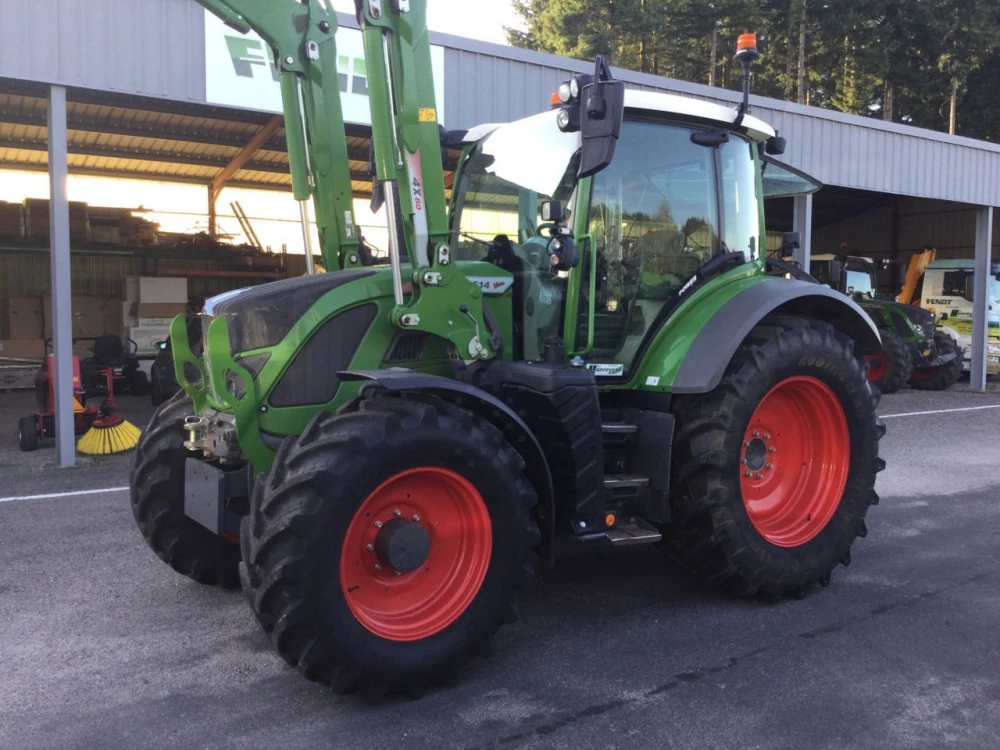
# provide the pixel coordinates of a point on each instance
(109, 351)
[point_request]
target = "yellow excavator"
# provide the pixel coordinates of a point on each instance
(910, 295)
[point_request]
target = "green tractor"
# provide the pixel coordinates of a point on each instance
(582, 342)
(914, 350)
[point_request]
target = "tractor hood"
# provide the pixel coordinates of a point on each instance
(262, 316)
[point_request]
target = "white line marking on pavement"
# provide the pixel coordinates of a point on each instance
(62, 494)
(940, 411)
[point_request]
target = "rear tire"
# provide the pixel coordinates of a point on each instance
(942, 377)
(366, 628)
(890, 369)
(766, 533)
(27, 433)
(157, 493)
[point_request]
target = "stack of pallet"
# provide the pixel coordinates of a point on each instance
(36, 220)
(11, 221)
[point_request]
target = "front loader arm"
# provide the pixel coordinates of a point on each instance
(305, 53)
(405, 134)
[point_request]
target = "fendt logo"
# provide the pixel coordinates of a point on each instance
(251, 58)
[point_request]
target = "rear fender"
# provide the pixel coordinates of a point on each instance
(490, 408)
(715, 344)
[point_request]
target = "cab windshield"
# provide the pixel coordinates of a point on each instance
(501, 186)
(505, 178)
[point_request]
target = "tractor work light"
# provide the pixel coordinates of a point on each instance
(568, 119)
(565, 92)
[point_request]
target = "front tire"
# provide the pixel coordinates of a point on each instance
(319, 569)
(944, 376)
(775, 469)
(890, 369)
(27, 433)
(157, 494)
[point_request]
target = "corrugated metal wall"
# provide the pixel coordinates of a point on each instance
(147, 47)
(946, 226)
(156, 48)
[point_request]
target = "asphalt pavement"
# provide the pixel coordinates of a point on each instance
(102, 646)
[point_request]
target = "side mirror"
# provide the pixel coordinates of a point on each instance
(552, 212)
(161, 345)
(602, 104)
(789, 241)
(775, 145)
(837, 275)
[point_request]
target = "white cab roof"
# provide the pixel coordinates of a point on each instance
(684, 106)
(652, 101)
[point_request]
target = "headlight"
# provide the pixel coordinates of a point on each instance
(565, 91)
(574, 87)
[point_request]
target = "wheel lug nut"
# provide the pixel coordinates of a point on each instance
(378, 524)
(416, 517)
(759, 475)
(378, 566)
(370, 547)
(749, 474)
(756, 434)
(769, 466)
(396, 572)
(767, 435)
(746, 444)
(397, 512)
(771, 449)
(743, 460)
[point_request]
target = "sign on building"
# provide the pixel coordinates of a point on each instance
(240, 72)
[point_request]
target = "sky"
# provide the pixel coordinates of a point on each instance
(476, 19)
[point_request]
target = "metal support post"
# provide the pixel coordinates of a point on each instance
(980, 297)
(62, 314)
(802, 220)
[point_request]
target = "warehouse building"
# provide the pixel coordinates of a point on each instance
(159, 90)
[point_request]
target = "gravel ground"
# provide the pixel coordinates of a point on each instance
(104, 647)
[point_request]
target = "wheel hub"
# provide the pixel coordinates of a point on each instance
(756, 454)
(402, 545)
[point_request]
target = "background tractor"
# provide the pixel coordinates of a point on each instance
(915, 350)
(582, 341)
(944, 289)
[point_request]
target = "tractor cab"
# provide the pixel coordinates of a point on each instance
(682, 190)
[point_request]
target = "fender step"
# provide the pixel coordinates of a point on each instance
(625, 481)
(637, 532)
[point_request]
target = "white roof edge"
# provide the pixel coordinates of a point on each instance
(653, 101)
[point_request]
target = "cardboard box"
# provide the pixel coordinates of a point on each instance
(157, 290)
(130, 317)
(169, 310)
(22, 318)
(92, 316)
(22, 348)
(146, 338)
(155, 322)
(132, 290)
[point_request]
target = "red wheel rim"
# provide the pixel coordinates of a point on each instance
(795, 459)
(410, 606)
(877, 366)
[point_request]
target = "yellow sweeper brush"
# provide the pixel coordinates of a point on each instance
(107, 436)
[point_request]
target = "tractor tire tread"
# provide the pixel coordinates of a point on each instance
(287, 504)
